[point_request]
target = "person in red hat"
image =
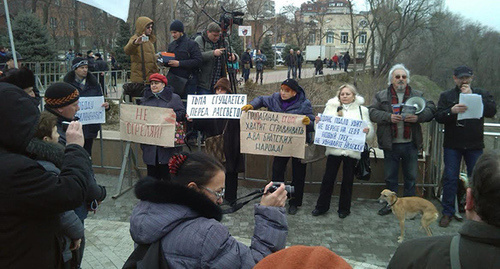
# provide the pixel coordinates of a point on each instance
(160, 95)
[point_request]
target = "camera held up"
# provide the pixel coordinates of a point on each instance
(290, 190)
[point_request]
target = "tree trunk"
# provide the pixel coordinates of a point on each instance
(76, 34)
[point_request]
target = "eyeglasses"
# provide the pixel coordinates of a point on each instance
(398, 76)
(218, 194)
(149, 27)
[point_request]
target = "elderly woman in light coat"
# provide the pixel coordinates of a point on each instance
(347, 104)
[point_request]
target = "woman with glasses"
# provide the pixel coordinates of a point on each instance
(184, 214)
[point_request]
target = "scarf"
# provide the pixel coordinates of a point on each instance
(216, 74)
(287, 103)
(407, 129)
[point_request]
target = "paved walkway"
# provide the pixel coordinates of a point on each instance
(364, 239)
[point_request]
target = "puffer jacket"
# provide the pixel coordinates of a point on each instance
(187, 223)
(351, 113)
(92, 88)
(31, 199)
(380, 113)
(207, 66)
(134, 51)
(166, 99)
(301, 107)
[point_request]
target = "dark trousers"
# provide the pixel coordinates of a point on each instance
(88, 145)
(261, 72)
(328, 183)
(298, 176)
(246, 74)
(231, 186)
(299, 68)
(407, 155)
(159, 171)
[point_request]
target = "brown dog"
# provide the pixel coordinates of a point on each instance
(409, 207)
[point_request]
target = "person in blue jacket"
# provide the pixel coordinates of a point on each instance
(160, 95)
(290, 99)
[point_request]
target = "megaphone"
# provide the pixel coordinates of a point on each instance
(414, 105)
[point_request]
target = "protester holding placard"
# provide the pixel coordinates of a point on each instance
(230, 128)
(160, 95)
(87, 85)
(347, 104)
(290, 99)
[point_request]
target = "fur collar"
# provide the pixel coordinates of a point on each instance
(156, 191)
(45, 151)
(336, 102)
(165, 95)
(70, 78)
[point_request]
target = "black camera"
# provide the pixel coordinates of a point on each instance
(290, 190)
(229, 17)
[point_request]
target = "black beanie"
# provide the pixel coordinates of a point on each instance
(292, 84)
(79, 61)
(60, 94)
(22, 77)
(177, 25)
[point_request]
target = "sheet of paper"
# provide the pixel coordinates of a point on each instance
(474, 103)
(91, 110)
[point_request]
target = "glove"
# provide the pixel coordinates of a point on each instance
(246, 108)
(306, 120)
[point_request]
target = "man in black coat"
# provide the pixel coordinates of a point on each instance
(347, 60)
(31, 198)
(187, 61)
(101, 66)
(246, 60)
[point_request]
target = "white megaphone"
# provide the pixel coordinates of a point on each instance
(414, 105)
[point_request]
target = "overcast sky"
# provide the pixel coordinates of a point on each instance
(484, 11)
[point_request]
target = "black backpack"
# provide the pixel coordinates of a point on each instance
(147, 257)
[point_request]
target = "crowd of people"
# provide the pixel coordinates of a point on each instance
(48, 185)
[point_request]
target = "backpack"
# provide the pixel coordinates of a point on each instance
(147, 256)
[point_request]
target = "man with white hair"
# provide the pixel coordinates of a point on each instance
(400, 136)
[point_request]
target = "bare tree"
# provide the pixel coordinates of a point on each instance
(297, 27)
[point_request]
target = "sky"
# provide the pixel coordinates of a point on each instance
(484, 11)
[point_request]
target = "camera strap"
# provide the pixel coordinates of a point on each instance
(240, 202)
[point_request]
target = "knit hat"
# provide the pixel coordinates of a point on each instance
(158, 77)
(224, 84)
(177, 25)
(299, 256)
(79, 61)
(22, 77)
(10, 56)
(60, 94)
(292, 84)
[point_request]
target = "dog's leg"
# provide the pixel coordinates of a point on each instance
(426, 221)
(402, 227)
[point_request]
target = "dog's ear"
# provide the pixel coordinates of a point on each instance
(393, 193)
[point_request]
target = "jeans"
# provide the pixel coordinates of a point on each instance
(452, 159)
(246, 74)
(298, 176)
(261, 72)
(294, 72)
(328, 183)
(407, 155)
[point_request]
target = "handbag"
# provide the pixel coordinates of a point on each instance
(363, 170)
(178, 83)
(313, 153)
(214, 145)
(180, 133)
(133, 89)
(147, 256)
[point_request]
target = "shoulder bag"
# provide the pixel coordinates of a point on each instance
(214, 145)
(362, 170)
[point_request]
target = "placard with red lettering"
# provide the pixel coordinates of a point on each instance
(147, 125)
(272, 133)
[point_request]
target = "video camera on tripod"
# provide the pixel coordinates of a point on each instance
(228, 18)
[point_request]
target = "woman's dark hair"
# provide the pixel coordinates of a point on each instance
(198, 167)
(485, 185)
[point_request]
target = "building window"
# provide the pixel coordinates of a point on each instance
(344, 37)
(53, 22)
(83, 41)
(362, 38)
(312, 38)
(71, 24)
(71, 42)
(83, 27)
(329, 37)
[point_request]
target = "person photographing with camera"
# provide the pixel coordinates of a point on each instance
(185, 212)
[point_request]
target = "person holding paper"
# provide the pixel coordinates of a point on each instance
(290, 99)
(462, 138)
(399, 136)
(347, 104)
(87, 86)
(160, 95)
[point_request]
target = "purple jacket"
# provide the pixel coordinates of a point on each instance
(166, 99)
(302, 107)
(187, 223)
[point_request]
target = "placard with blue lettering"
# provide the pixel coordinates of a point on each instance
(91, 110)
(338, 132)
(208, 106)
(272, 134)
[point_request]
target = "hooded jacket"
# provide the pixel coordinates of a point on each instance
(91, 88)
(380, 113)
(134, 50)
(352, 112)
(31, 198)
(187, 223)
(167, 99)
(302, 107)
